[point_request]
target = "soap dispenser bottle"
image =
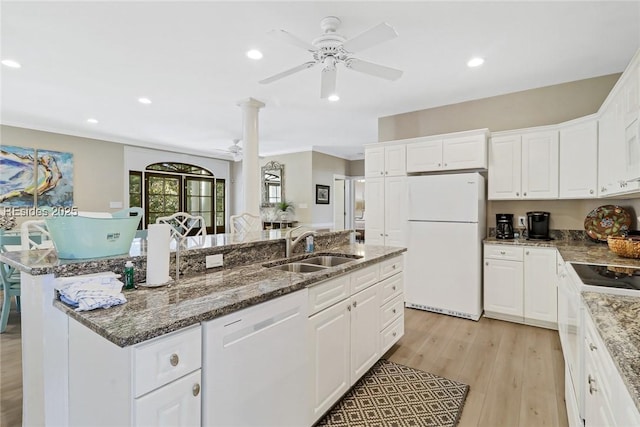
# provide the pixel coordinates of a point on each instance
(309, 244)
(128, 275)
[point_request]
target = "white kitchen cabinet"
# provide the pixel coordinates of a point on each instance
(156, 382)
(387, 160)
(579, 159)
(524, 165)
(347, 338)
(458, 151)
(503, 283)
(520, 284)
(386, 206)
(610, 145)
(632, 153)
(255, 373)
(540, 287)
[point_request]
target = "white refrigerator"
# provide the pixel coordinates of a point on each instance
(444, 257)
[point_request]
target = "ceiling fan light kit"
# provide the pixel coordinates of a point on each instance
(331, 49)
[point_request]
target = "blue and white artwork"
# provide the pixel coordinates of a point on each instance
(54, 178)
(17, 176)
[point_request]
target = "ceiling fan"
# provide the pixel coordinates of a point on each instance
(331, 49)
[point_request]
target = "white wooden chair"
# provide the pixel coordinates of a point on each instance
(245, 222)
(184, 224)
(35, 235)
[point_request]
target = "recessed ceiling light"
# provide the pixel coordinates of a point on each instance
(144, 100)
(11, 63)
(92, 121)
(475, 62)
(333, 98)
(254, 54)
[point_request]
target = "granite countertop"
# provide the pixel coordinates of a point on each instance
(616, 318)
(578, 251)
(151, 312)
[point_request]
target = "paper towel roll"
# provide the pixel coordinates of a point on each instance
(158, 239)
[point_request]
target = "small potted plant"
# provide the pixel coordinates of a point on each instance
(284, 208)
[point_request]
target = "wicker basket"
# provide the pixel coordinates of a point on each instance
(624, 246)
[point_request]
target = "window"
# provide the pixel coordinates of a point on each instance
(166, 188)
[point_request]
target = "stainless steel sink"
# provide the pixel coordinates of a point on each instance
(298, 267)
(327, 260)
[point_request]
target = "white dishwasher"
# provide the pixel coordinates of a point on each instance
(255, 365)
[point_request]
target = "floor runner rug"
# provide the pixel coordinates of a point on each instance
(392, 395)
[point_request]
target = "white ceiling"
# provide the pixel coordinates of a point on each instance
(86, 59)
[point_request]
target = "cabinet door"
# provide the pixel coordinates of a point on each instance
(540, 289)
(540, 165)
(464, 152)
(395, 160)
(374, 161)
(503, 287)
(610, 162)
(579, 161)
(632, 151)
(505, 167)
(374, 207)
(395, 211)
(424, 156)
(330, 342)
(175, 404)
(365, 331)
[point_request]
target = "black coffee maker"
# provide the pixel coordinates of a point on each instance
(538, 225)
(504, 226)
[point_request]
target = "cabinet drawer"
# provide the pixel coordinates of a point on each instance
(391, 287)
(365, 277)
(513, 253)
(165, 359)
(391, 311)
(392, 334)
(328, 293)
(391, 266)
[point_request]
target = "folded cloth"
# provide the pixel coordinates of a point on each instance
(91, 291)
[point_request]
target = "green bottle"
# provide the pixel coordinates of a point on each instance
(128, 275)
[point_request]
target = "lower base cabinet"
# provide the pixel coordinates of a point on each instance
(354, 330)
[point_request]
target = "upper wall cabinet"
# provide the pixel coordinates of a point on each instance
(387, 160)
(524, 166)
(579, 159)
(461, 150)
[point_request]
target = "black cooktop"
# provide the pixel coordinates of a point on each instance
(609, 276)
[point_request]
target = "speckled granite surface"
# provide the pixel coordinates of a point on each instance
(151, 312)
(617, 319)
(580, 251)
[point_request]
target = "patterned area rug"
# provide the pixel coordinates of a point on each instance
(396, 395)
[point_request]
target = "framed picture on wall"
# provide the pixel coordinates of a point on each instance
(322, 194)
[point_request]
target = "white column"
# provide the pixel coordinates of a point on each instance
(250, 160)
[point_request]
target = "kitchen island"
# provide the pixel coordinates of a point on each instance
(198, 297)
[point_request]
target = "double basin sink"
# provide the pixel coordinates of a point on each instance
(312, 264)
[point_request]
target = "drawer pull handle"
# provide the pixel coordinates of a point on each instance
(592, 382)
(502, 252)
(174, 359)
(592, 347)
(349, 307)
(355, 303)
(196, 389)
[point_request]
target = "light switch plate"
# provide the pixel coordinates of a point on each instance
(214, 261)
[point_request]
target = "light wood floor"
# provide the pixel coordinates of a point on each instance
(515, 372)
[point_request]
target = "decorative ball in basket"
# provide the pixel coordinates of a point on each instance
(625, 246)
(78, 236)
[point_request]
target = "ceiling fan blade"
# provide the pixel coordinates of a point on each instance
(378, 34)
(374, 69)
(328, 82)
(291, 39)
(288, 72)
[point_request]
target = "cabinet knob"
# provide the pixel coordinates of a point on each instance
(445, 164)
(590, 191)
(502, 252)
(381, 173)
(381, 235)
(349, 307)
(394, 311)
(395, 333)
(394, 266)
(486, 263)
(439, 164)
(386, 172)
(393, 287)
(527, 253)
(524, 194)
(196, 389)
(603, 189)
(174, 359)
(592, 347)
(517, 193)
(355, 303)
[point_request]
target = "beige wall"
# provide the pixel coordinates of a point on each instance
(98, 174)
(324, 167)
(535, 107)
(356, 168)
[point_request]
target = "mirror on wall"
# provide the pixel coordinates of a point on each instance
(272, 183)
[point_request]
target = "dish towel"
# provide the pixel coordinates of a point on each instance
(91, 291)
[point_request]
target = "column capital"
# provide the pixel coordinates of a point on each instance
(250, 102)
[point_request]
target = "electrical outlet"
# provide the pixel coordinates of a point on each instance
(214, 261)
(522, 221)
